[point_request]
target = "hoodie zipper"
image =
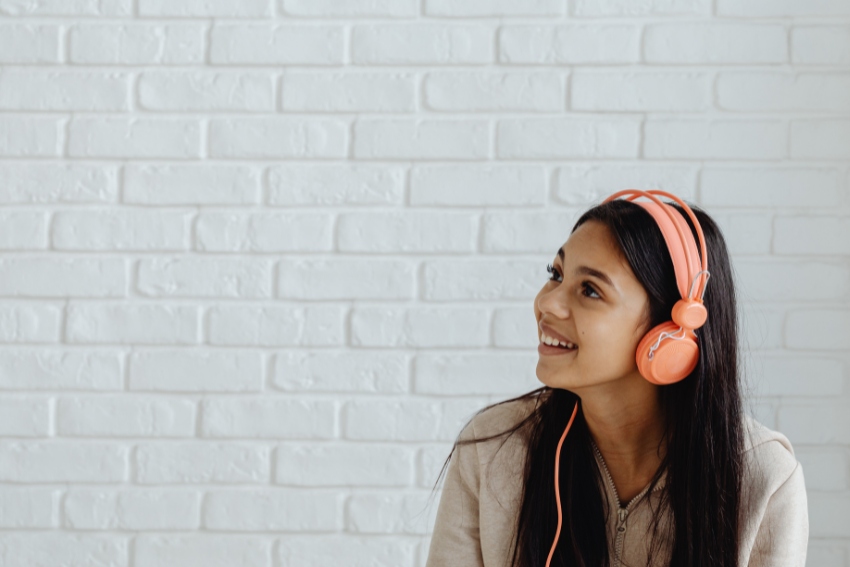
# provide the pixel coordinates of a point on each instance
(622, 513)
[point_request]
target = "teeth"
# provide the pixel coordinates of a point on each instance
(550, 341)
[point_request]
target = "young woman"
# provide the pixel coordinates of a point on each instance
(654, 473)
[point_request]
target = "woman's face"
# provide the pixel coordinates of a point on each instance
(605, 319)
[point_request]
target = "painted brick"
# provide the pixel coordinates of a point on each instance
(276, 326)
(42, 548)
(422, 327)
(38, 183)
(365, 279)
(479, 8)
(799, 376)
(350, 8)
(762, 326)
(512, 328)
(336, 184)
(418, 231)
(422, 138)
(779, 8)
(784, 92)
(331, 464)
(263, 232)
(110, 229)
(194, 91)
(177, 370)
(137, 44)
(53, 369)
(37, 322)
(194, 276)
(406, 420)
(273, 510)
(124, 416)
(348, 92)
(818, 329)
(595, 8)
(42, 276)
(268, 417)
(29, 43)
(201, 462)
(206, 8)
(588, 184)
(26, 507)
(822, 423)
(24, 416)
(210, 550)
(822, 235)
(421, 44)
(770, 186)
(566, 138)
(478, 185)
(399, 513)
(277, 138)
(207, 184)
(526, 232)
(821, 45)
(64, 90)
(24, 230)
(820, 139)
(63, 461)
(67, 8)
(640, 91)
(315, 550)
(132, 324)
(30, 136)
(494, 91)
(827, 469)
(135, 509)
(346, 371)
(745, 232)
(569, 44)
(276, 44)
(134, 138)
(469, 375)
(484, 280)
(715, 43)
(715, 139)
(772, 280)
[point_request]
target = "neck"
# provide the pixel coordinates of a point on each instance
(625, 421)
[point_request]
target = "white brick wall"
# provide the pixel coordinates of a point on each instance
(263, 258)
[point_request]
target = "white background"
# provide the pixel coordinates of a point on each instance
(262, 260)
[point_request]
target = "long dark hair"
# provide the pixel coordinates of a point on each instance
(702, 416)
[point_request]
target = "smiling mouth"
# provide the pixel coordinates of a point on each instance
(555, 343)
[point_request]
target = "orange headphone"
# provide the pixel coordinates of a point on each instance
(669, 352)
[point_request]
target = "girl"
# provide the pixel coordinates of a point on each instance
(651, 473)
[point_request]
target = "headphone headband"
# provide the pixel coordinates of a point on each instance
(685, 256)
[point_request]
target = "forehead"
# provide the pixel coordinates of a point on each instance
(592, 244)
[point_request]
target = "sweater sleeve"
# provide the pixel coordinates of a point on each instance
(455, 541)
(783, 534)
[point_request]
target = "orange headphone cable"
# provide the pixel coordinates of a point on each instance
(557, 491)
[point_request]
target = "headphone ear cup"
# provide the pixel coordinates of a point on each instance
(673, 360)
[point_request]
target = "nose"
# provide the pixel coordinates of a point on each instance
(553, 301)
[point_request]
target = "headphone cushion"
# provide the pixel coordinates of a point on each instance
(672, 361)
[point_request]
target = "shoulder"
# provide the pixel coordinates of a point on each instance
(500, 417)
(769, 458)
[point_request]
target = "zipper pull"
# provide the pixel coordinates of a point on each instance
(621, 515)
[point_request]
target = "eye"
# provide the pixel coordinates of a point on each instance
(586, 285)
(553, 271)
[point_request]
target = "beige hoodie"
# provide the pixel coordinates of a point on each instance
(474, 526)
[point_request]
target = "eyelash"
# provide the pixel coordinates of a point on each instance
(585, 284)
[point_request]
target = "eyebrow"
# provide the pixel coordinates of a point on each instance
(588, 270)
